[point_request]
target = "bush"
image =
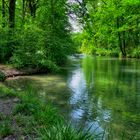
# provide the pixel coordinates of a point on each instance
(25, 50)
(2, 77)
(7, 42)
(136, 52)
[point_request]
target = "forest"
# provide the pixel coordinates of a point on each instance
(34, 33)
(110, 27)
(37, 33)
(69, 69)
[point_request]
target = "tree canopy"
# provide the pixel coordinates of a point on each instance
(110, 26)
(38, 33)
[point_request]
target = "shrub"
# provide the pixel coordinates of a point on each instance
(35, 49)
(2, 77)
(26, 50)
(7, 42)
(136, 52)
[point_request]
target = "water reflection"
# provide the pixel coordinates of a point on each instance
(85, 111)
(105, 93)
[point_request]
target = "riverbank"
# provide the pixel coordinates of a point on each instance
(10, 71)
(112, 52)
(25, 115)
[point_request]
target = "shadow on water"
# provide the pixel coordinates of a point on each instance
(101, 93)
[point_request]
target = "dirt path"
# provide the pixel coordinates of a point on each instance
(6, 107)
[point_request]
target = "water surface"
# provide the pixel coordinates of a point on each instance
(96, 92)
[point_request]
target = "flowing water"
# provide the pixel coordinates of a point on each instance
(96, 92)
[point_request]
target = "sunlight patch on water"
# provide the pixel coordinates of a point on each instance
(78, 86)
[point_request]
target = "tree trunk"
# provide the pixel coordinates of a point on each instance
(121, 39)
(3, 13)
(23, 11)
(123, 44)
(33, 6)
(12, 13)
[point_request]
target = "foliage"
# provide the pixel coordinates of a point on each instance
(110, 25)
(77, 41)
(6, 46)
(30, 50)
(136, 52)
(37, 37)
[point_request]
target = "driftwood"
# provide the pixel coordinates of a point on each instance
(13, 72)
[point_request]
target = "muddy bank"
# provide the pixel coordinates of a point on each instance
(10, 71)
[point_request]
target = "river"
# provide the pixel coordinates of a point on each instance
(99, 93)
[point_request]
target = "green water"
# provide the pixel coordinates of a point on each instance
(101, 93)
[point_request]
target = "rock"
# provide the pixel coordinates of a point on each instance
(16, 100)
(7, 105)
(11, 137)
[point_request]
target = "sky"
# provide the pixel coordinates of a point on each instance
(76, 27)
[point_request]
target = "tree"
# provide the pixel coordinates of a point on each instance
(3, 12)
(12, 7)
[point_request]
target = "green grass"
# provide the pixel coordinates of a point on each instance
(5, 128)
(6, 92)
(63, 132)
(2, 116)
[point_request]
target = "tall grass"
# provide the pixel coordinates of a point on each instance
(61, 131)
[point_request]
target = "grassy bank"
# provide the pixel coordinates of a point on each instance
(31, 118)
